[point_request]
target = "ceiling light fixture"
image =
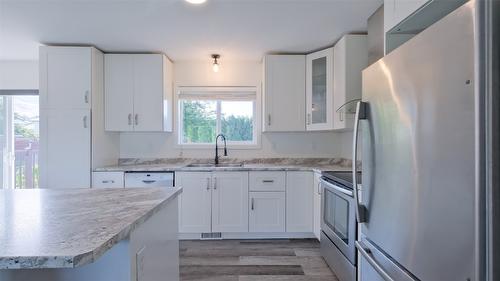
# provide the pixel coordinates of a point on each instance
(196, 2)
(215, 65)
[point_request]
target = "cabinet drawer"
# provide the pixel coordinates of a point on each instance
(267, 181)
(107, 179)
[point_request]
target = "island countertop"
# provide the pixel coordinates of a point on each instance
(67, 228)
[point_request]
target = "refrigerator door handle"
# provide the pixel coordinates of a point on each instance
(360, 115)
(366, 253)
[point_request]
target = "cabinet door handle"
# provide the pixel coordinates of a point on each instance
(108, 181)
(215, 183)
(130, 119)
(308, 118)
(341, 116)
(252, 205)
(267, 181)
(85, 121)
(319, 188)
(208, 183)
(86, 97)
(269, 120)
(136, 118)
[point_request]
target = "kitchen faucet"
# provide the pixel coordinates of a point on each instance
(217, 148)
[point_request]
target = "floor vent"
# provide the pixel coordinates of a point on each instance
(211, 236)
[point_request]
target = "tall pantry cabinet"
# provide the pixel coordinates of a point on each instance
(72, 137)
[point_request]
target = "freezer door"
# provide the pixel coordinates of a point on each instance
(418, 151)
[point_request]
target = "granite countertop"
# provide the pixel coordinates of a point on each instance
(271, 164)
(67, 228)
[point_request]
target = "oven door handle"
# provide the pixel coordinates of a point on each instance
(337, 188)
(360, 115)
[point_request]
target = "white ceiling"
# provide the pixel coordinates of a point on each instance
(237, 29)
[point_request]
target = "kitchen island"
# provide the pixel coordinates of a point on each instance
(87, 234)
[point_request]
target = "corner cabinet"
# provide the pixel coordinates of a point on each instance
(138, 92)
(350, 57)
(319, 90)
(284, 93)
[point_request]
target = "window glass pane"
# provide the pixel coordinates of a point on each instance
(237, 120)
(199, 121)
(26, 140)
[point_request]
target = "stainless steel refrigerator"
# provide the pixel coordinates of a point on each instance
(417, 126)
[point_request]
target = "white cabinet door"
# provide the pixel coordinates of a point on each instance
(65, 148)
(230, 202)
(299, 202)
(267, 212)
(194, 202)
(350, 57)
(65, 77)
(317, 206)
(148, 92)
(284, 93)
(319, 90)
(119, 92)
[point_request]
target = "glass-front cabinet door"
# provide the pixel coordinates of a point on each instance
(319, 94)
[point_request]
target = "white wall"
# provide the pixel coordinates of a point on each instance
(18, 75)
(164, 145)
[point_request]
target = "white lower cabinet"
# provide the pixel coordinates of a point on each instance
(230, 202)
(299, 202)
(317, 206)
(213, 201)
(267, 212)
(108, 180)
(195, 201)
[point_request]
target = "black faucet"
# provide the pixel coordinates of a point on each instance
(217, 148)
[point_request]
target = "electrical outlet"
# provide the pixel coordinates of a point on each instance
(139, 264)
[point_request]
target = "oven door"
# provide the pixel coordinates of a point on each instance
(338, 219)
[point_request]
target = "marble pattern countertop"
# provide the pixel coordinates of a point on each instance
(67, 228)
(256, 164)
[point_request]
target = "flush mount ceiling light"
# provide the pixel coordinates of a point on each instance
(215, 65)
(196, 2)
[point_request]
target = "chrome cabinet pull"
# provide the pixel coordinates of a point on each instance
(85, 122)
(252, 205)
(308, 118)
(269, 120)
(366, 253)
(108, 181)
(215, 183)
(208, 183)
(341, 116)
(319, 188)
(136, 118)
(130, 119)
(360, 115)
(267, 181)
(86, 97)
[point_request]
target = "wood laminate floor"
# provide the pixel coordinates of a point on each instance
(253, 260)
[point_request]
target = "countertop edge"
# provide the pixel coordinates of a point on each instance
(81, 259)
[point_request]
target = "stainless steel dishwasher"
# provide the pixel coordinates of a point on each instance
(149, 179)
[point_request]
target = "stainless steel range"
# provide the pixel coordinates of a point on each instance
(338, 224)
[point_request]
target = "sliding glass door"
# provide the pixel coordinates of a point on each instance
(19, 140)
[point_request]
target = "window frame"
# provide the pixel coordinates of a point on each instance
(218, 96)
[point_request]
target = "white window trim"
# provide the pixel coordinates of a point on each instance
(256, 144)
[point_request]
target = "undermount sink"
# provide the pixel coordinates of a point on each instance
(208, 165)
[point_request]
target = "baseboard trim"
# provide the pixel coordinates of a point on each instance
(252, 235)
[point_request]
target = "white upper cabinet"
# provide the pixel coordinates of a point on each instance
(350, 57)
(138, 92)
(284, 93)
(65, 73)
(319, 90)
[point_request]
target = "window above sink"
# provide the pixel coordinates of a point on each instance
(205, 112)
